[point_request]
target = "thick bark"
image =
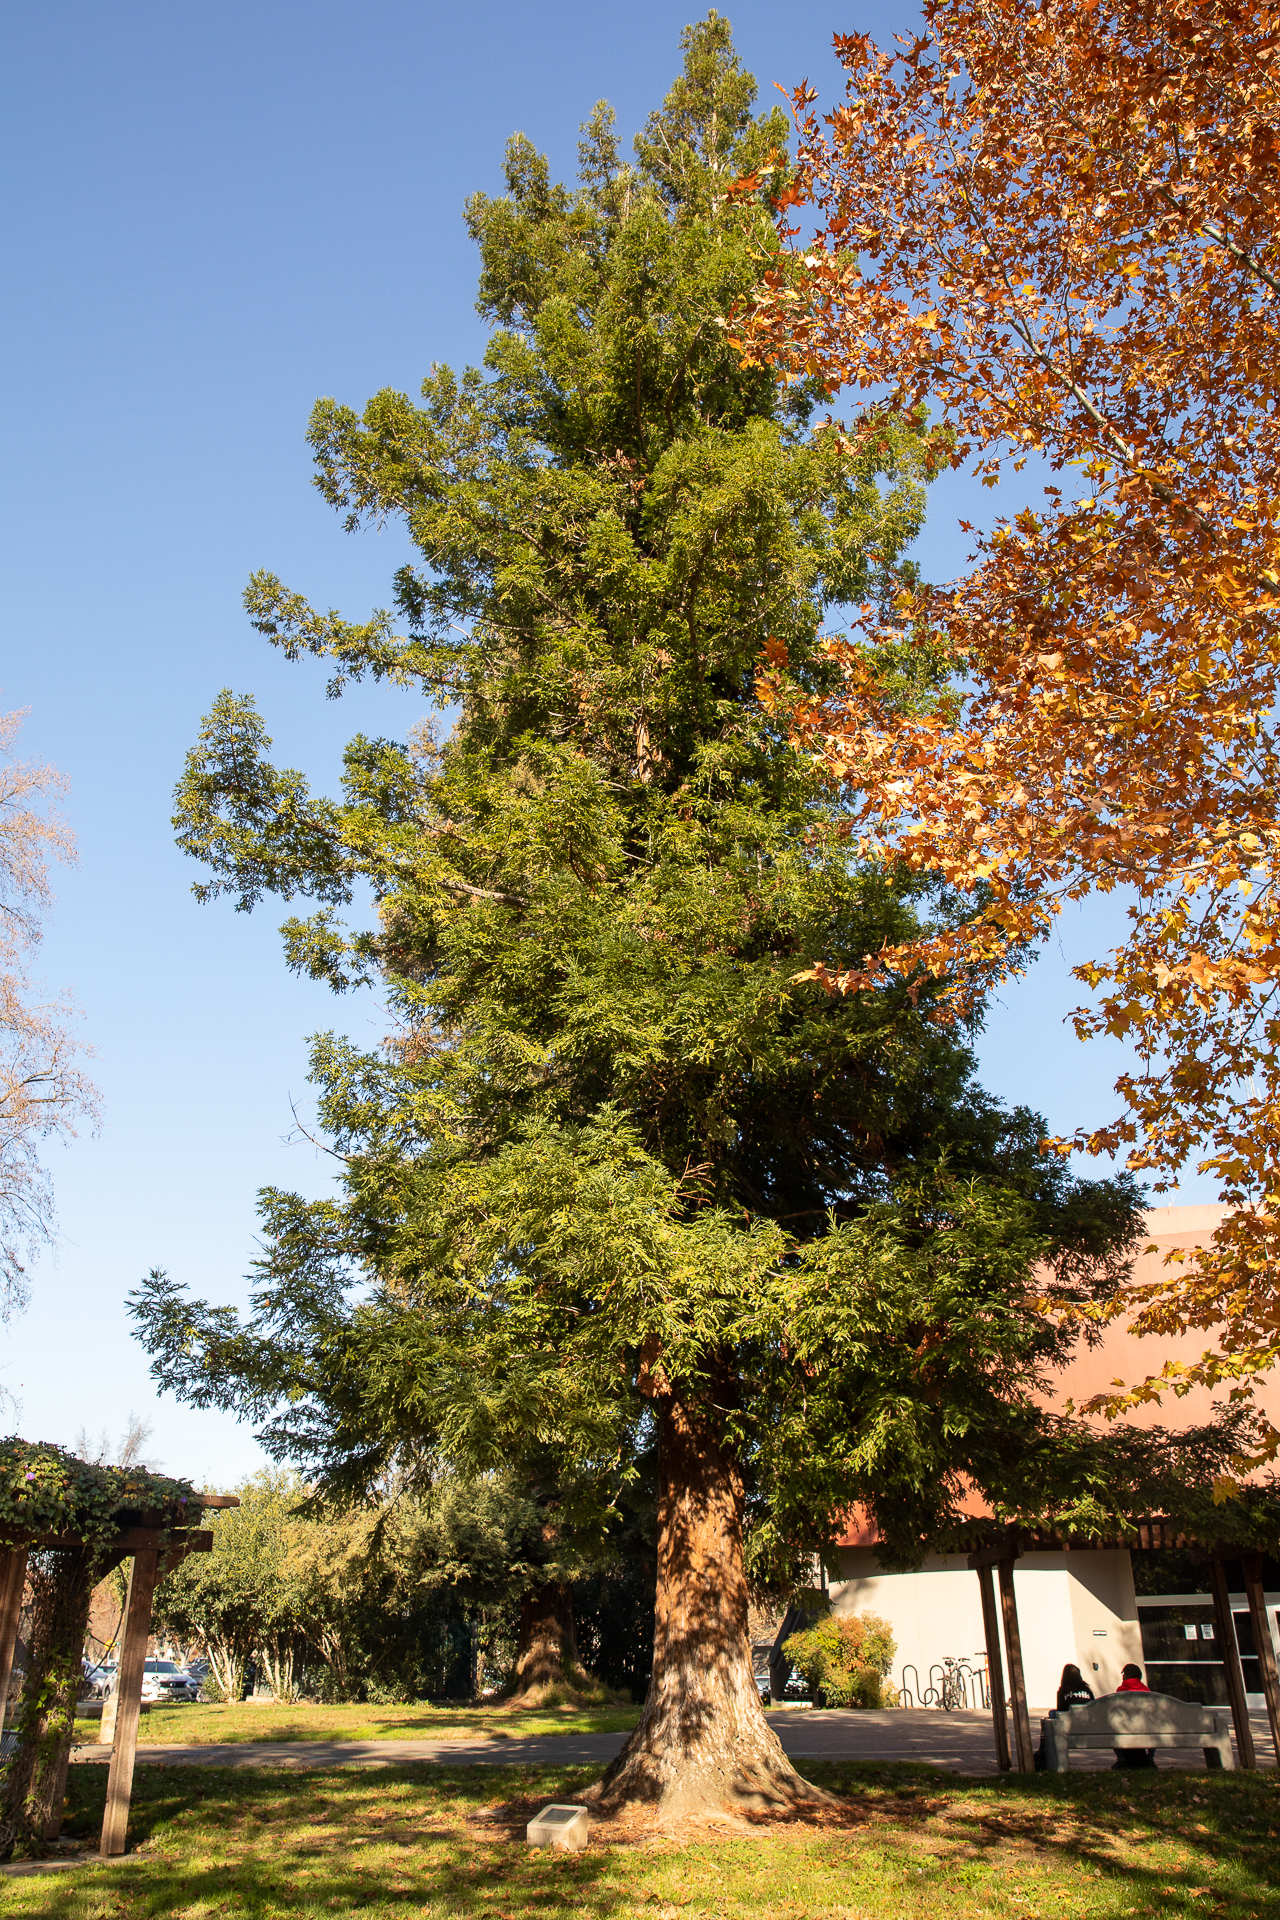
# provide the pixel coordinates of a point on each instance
(61, 1583)
(547, 1651)
(703, 1742)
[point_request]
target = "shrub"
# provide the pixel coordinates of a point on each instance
(845, 1658)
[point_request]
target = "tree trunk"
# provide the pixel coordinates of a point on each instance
(62, 1582)
(703, 1742)
(547, 1651)
(227, 1662)
(277, 1656)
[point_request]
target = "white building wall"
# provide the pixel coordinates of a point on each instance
(1104, 1611)
(1071, 1606)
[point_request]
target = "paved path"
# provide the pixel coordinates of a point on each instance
(960, 1742)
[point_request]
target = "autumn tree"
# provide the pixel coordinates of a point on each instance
(1054, 226)
(620, 1180)
(43, 1088)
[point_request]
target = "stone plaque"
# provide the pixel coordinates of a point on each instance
(558, 1827)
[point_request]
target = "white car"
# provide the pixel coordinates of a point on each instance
(166, 1680)
(98, 1681)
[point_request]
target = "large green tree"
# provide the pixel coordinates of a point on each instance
(620, 1178)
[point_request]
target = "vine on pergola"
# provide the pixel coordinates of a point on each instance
(69, 1514)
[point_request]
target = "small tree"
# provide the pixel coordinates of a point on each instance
(327, 1563)
(244, 1599)
(845, 1658)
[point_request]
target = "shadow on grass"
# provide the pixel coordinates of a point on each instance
(906, 1838)
(1212, 1839)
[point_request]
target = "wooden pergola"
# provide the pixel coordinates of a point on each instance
(153, 1551)
(993, 1562)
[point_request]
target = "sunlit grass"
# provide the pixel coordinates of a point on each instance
(908, 1841)
(205, 1725)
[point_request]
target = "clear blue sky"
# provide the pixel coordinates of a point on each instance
(212, 217)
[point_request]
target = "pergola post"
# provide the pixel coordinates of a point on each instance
(1226, 1630)
(1256, 1594)
(13, 1579)
(1017, 1684)
(133, 1653)
(995, 1666)
(107, 1728)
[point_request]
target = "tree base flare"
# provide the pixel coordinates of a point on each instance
(573, 1689)
(681, 1772)
(548, 1671)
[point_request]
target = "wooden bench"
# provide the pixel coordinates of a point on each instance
(1138, 1720)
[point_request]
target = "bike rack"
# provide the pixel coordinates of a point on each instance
(953, 1685)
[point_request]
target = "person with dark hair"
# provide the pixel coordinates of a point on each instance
(1073, 1691)
(1131, 1681)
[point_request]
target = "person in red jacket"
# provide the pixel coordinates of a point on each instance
(1131, 1681)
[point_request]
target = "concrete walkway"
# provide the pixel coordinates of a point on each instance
(958, 1742)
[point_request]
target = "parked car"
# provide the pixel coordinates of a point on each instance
(797, 1687)
(98, 1681)
(166, 1680)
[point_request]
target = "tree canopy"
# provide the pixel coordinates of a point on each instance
(621, 1173)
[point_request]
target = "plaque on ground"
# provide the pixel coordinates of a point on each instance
(558, 1827)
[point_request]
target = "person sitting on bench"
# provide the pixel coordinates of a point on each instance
(1073, 1691)
(1131, 1681)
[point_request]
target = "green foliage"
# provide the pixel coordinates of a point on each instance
(377, 1602)
(619, 1143)
(243, 1598)
(845, 1658)
(45, 1489)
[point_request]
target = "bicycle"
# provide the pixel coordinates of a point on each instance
(958, 1687)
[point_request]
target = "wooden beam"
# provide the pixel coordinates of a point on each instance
(1262, 1641)
(1017, 1684)
(1226, 1630)
(180, 1545)
(133, 1653)
(132, 1540)
(1004, 1548)
(995, 1666)
(13, 1578)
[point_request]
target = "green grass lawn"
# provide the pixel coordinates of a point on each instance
(200, 1726)
(907, 1841)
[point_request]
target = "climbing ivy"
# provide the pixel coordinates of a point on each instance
(45, 1489)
